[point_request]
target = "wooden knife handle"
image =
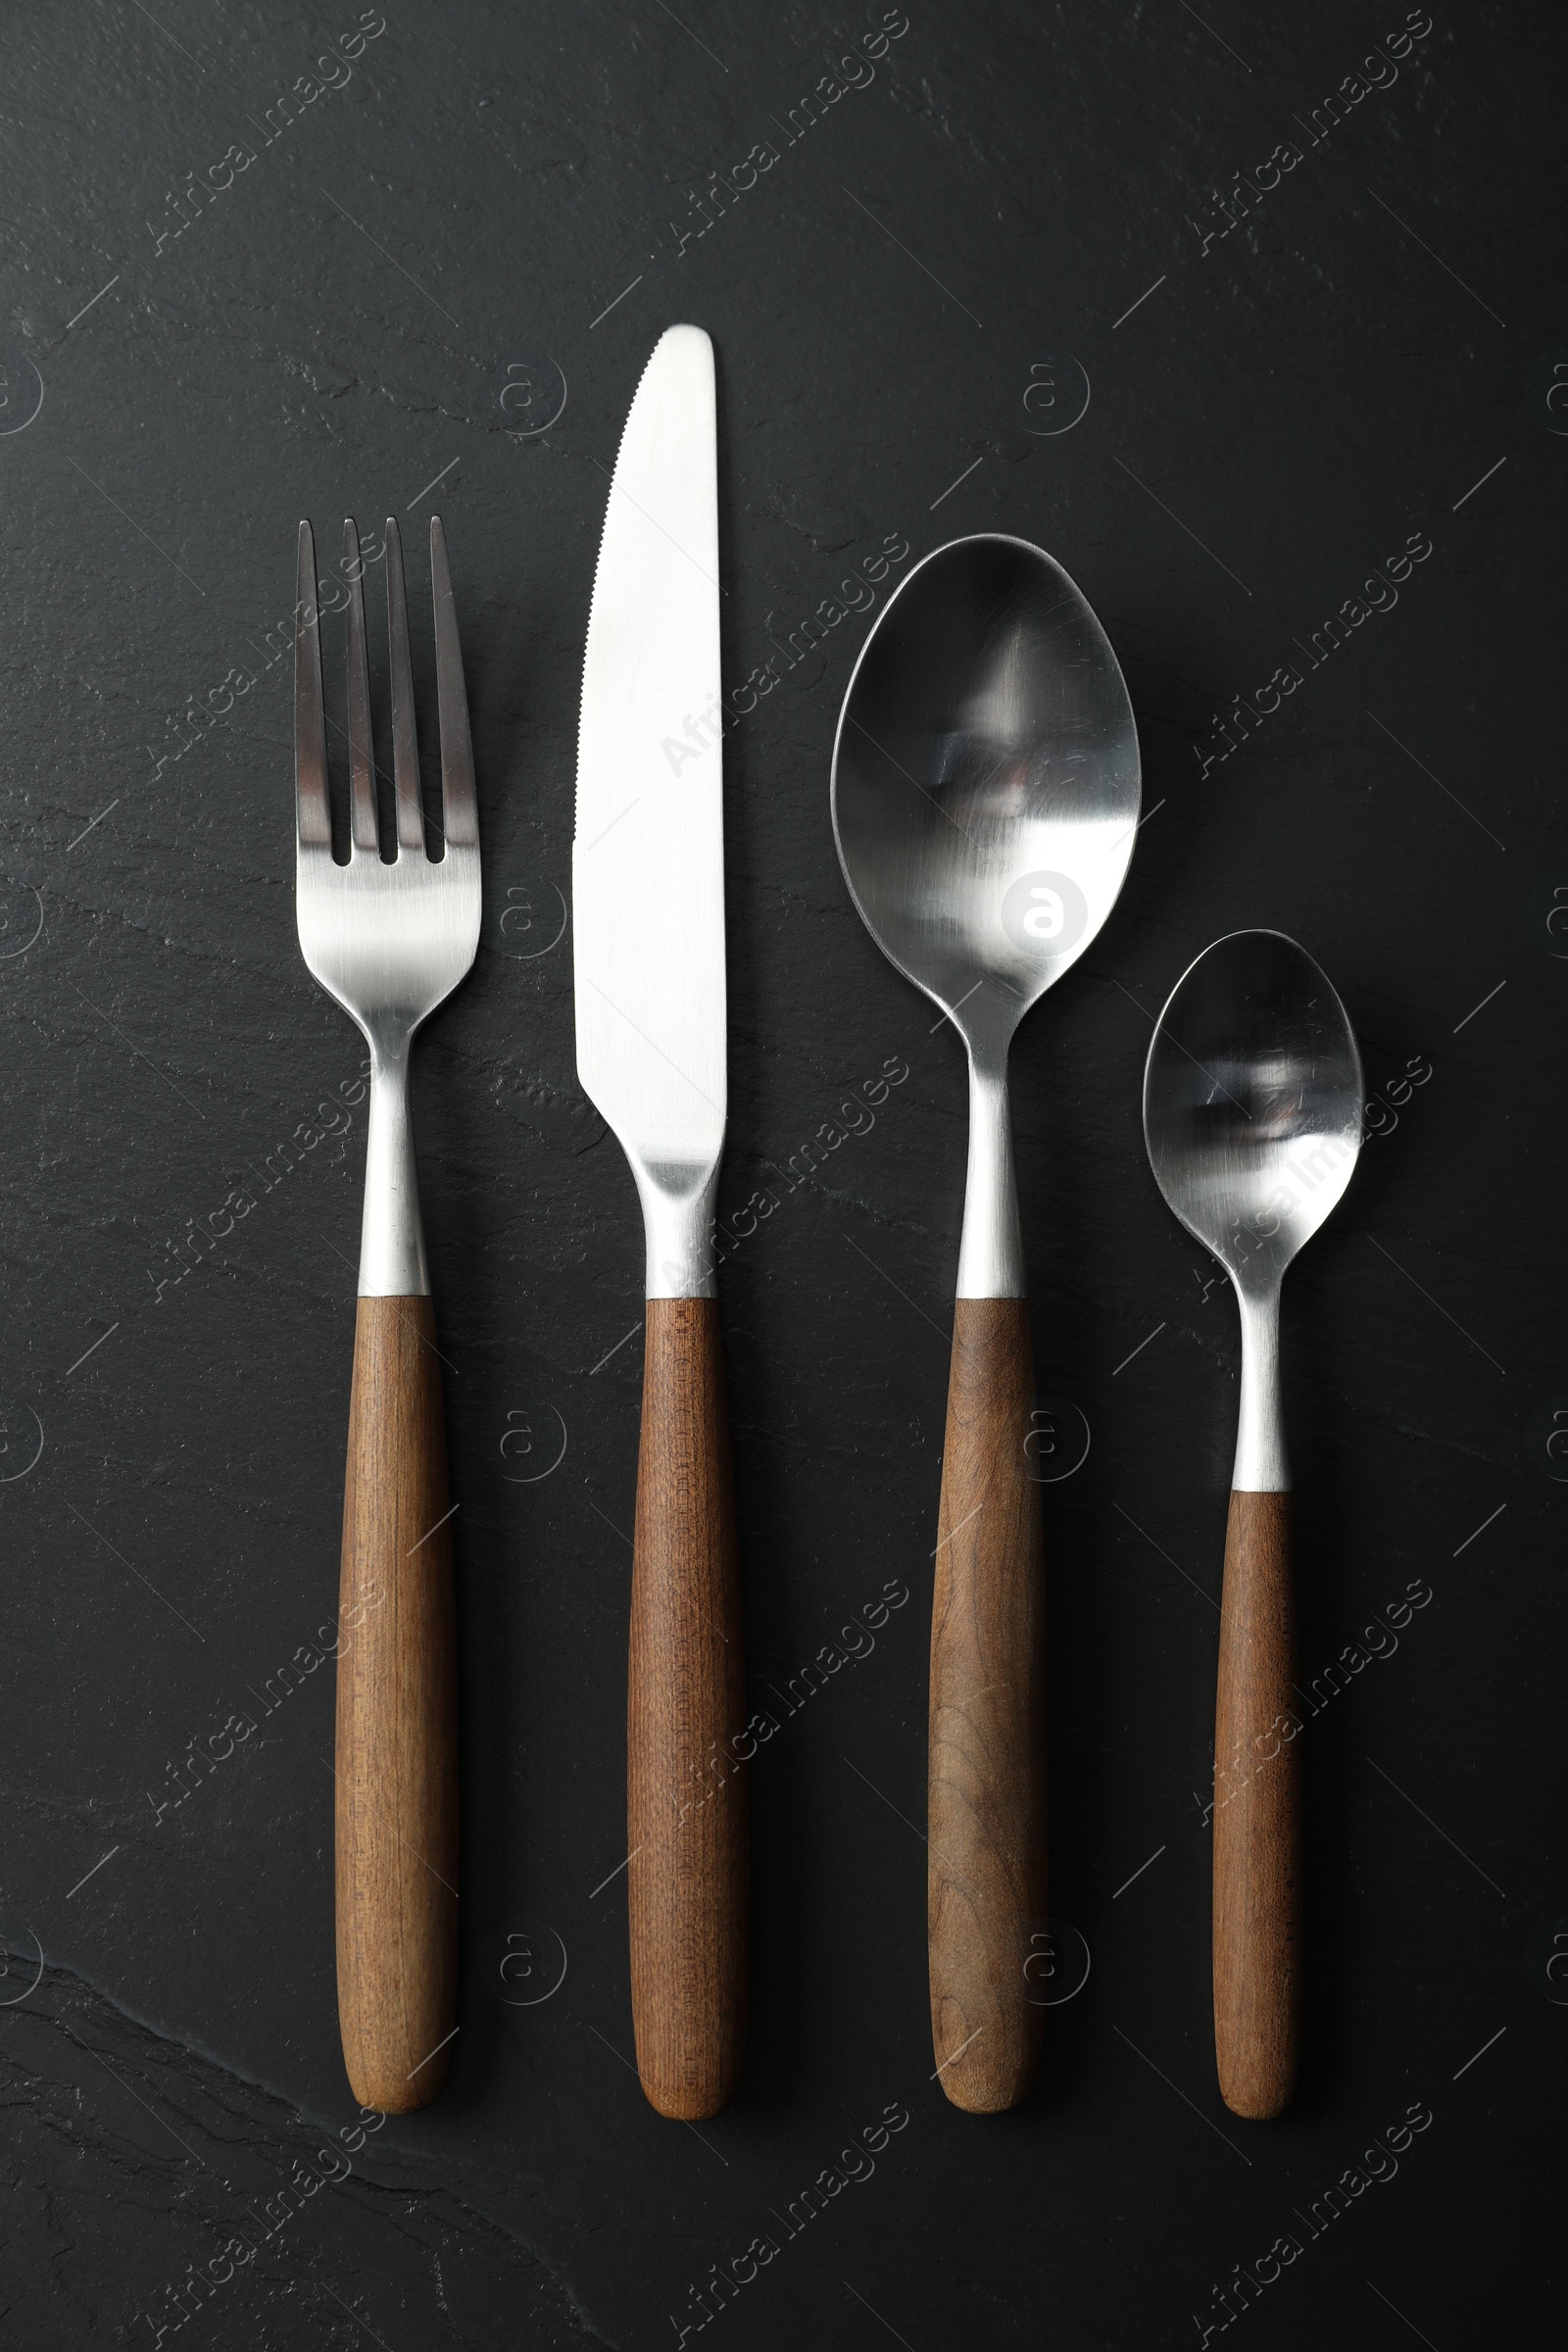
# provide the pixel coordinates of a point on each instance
(685, 1721)
(1258, 1814)
(987, 1791)
(397, 1718)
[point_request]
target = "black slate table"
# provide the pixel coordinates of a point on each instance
(1306, 276)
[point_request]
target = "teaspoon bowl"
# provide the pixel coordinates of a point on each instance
(1253, 1101)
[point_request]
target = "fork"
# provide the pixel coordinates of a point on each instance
(390, 938)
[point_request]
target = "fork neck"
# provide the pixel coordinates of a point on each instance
(392, 1238)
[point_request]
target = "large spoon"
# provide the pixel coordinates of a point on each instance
(985, 802)
(1253, 1116)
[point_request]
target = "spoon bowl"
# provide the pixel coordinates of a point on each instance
(1252, 1103)
(986, 780)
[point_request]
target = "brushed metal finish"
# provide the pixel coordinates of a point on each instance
(648, 860)
(389, 940)
(1252, 1098)
(985, 795)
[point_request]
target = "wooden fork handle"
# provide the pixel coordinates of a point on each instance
(685, 1725)
(1257, 1818)
(397, 1777)
(987, 1787)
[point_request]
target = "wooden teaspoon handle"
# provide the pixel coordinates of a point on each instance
(987, 1790)
(397, 1720)
(1258, 1814)
(685, 1721)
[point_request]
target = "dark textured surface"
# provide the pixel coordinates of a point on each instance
(358, 311)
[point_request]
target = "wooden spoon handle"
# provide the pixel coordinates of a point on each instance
(685, 1724)
(1258, 1814)
(396, 1717)
(987, 1790)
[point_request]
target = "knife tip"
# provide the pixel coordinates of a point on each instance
(684, 333)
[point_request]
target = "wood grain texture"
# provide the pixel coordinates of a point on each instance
(1258, 1814)
(685, 1723)
(987, 1790)
(397, 1718)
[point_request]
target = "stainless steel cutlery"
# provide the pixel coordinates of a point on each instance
(1253, 1116)
(390, 934)
(648, 905)
(985, 802)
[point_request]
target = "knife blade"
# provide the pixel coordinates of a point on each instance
(648, 912)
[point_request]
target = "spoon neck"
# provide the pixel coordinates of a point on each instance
(991, 1252)
(1262, 1466)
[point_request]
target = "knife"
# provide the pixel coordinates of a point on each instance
(648, 919)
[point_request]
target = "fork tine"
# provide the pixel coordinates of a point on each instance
(313, 816)
(405, 739)
(461, 814)
(362, 768)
